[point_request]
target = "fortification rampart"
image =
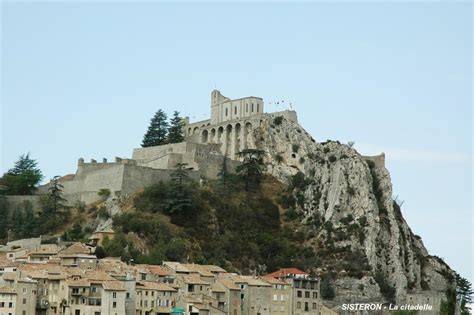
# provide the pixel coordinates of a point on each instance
(378, 160)
(23, 202)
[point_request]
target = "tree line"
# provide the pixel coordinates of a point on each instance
(161, 131)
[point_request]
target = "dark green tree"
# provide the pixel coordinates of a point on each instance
(252, 167)
(464, 293)
(223, 172)
(53, 208)
(3, 218)
(448, 306)
(327, 287)
(157, 131)
(175, 130)
(180, 195)
(23, 177)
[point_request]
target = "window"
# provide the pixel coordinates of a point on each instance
(299, 294)
(306, 294)
(282, 309)
(24, 301)
(114, 295)
(314, 306)
(252, 107)
(298, 305)
(275, 297)
(282, 297)
(128, 295)
(235, 110)
(258, 105)
(247, 107)
(315, 295)
(306, 306)
(23, 313)
(114, 304)
(226, 112)
(24, 290)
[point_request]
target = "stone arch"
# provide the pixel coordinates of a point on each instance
(220, 132)
(238, 138)
(204, 136)
(195, 130)
(228, 140)
(248, 142)
(213, 135)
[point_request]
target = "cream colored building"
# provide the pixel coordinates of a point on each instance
(280, 296)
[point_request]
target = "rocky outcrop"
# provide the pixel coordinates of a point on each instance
(345, 201)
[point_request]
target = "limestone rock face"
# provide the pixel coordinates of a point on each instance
(347, 204)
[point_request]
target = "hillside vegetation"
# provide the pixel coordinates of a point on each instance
(245, 231)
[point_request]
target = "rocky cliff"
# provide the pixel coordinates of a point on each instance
(345, 202)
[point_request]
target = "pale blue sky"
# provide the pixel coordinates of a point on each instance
(83, 79)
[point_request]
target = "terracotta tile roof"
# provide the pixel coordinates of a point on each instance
(150, 285)
(158, 270)
(214, 269)
(11, 276)
(193, 279)
(193, 268)
(227, 282)
(97, 275)
(175, 266)
(113, 285)
(78, 283)
(272, 280)
(7, 290)
(76, 248)
(284, 272)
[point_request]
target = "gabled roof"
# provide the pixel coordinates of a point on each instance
(272, 280)
(159, 270)
(287, 272)
(7, 290)
(114, 285)
(75, 249)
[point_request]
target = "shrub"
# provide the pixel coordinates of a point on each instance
(278, 120)
(326, 150)
(332, 158)
(102, 213)
(295, 147)
(104, 193)
(291, 214)
(279, 158)
(301, 160)
(386, 289)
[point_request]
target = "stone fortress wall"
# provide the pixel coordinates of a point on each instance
(229, 131)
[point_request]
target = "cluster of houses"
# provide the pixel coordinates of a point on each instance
(48, 279)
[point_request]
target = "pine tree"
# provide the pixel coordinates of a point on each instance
(464, 294)
(23, 177)
(223, 172)
(180, 198)
(175, 130)
(157, 131)
(53, 212)
(252, 167)
(3, 217)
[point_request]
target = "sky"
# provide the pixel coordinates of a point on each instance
(83, 79)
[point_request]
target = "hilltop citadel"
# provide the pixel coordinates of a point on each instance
(232, 127)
